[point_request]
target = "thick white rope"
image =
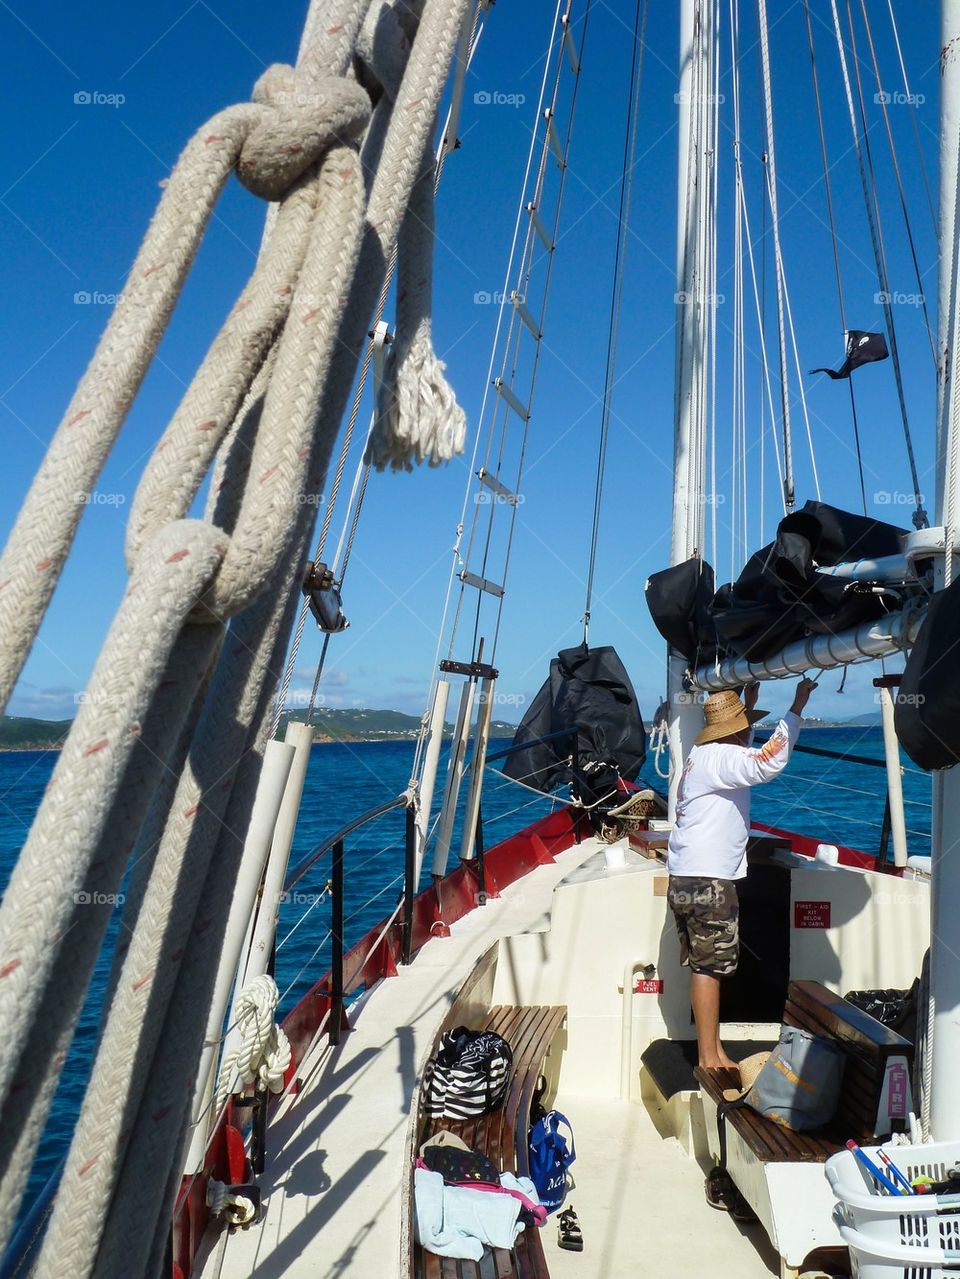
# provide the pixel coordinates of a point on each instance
(70, 824)
(235, 1209)
(199, 806)
(78, 1217)
(418, 418)
(263, 1054)
(40, 540)
(62, 995)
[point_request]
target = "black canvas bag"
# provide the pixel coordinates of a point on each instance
(469, 1075)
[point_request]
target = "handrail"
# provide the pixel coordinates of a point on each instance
(820, 750)
(535, 741)
(294, 876)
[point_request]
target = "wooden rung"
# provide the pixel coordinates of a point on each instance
(569, 45)
(540, 227)
(493, 484)
(521, 411)
(554, 138)
(524, 314)
(481, 583)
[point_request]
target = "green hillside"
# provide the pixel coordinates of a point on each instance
(355, 725)
(361, 724)
(20, 734)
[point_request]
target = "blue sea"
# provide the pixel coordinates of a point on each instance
(838, 802)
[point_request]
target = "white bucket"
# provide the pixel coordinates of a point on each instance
(615, 856)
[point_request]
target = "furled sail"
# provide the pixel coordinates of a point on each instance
(589, 693)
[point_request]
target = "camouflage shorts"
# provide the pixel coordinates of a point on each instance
(707, 914)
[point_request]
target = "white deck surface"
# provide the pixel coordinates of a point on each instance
(337, 1155)
(640, 1203)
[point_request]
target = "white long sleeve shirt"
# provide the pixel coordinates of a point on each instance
(709, 838)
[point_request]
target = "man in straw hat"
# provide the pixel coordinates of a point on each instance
(707, 852)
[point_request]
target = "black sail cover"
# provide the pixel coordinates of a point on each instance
(779, 597)
(927, 708)
(588, 690)
(679, 599)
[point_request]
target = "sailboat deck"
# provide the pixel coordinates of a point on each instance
(337, 1151)
(640, 1202)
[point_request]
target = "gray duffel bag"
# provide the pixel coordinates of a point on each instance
(799, 1084)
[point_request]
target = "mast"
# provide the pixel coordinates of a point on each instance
(689, 453)
(944, 1100)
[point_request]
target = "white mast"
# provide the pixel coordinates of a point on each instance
(689, 456)
(944, 1101)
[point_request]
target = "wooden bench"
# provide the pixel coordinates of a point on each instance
(502, 1136)
(777, 1170)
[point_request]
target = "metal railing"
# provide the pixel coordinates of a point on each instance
(883, 851)
(335, 845)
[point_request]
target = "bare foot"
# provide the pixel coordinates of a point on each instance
(718, 1061)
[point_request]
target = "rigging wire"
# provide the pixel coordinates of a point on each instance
(628, 165)
(758, 287)
(882, 97)
(873, 215)
(834, 243)
(912, 104)
(771, 178)
(714, 199)
(512, 520)
(359, 487)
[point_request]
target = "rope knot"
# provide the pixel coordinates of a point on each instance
(302, 119)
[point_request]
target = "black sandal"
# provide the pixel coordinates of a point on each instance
(723, 1195)
(569, 1235)
(719, 1189)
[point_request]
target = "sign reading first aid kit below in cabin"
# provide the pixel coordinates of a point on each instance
(811, 914)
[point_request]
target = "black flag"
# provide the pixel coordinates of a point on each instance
(862, 348)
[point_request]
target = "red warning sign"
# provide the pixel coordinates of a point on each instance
(648, 986)
(811, 914)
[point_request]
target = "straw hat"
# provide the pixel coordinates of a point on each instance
(724, 714)
(750, 1067)
(446, 1139)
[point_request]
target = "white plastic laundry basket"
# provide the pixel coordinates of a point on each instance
(893, 1225)
(875, 1261)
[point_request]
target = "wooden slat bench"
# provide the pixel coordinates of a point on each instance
(502, 1136)
(777, 1170)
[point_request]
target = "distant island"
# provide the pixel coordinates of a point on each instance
(358, 724)
(871, 719)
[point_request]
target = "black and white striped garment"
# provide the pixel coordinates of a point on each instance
(469, 1075)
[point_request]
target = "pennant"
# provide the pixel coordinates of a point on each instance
(862, 348)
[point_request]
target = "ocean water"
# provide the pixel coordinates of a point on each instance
(838, 802)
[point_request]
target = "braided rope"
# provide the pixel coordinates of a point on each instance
(418, 418)
(43, 533)
(263, 1052)
(305, 348)
(199, 807)
(235, 1209)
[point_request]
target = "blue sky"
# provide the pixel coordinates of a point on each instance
(81, 180)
